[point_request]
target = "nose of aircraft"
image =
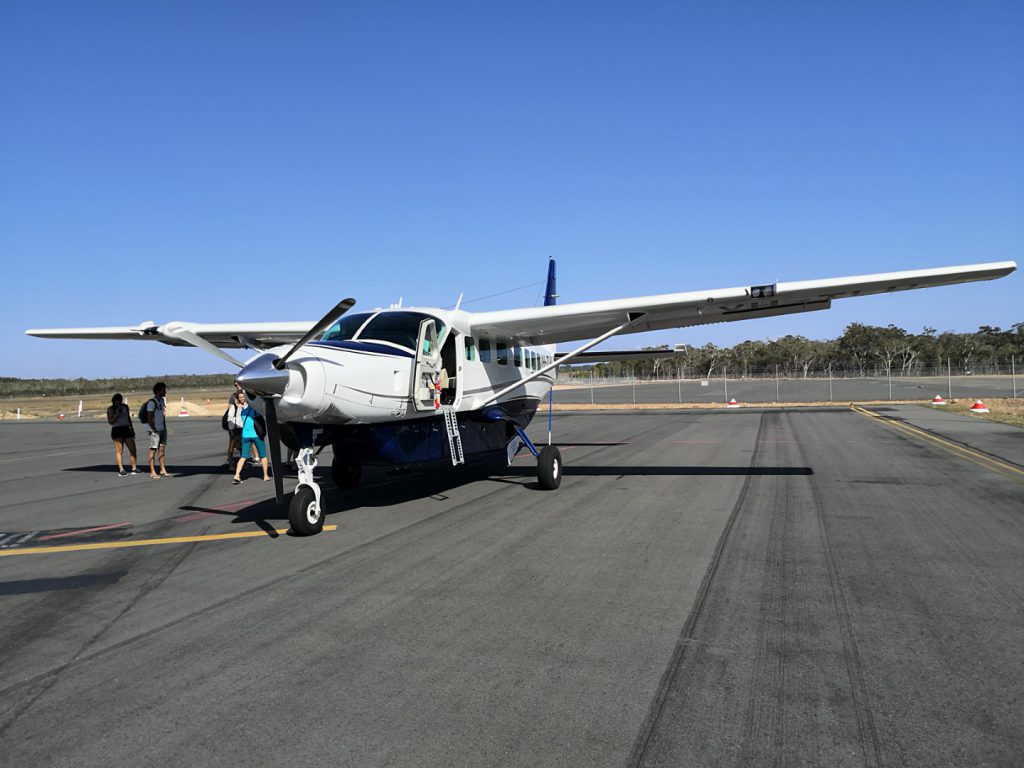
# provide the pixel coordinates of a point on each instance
(260, 376)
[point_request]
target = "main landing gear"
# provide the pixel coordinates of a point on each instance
(305, 514)
(549, 461)
(549, 468)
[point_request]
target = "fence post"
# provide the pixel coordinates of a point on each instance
(634, 389)
(830, 382)
(725, 381)
(777, 384)
(591, 386)
(888, 378)
(680, 380)
(1013, 374)
(949, 379)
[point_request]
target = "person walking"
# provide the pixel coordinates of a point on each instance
(252, 424)
(234, 422)
(122, 433)
(234, 439)
(157, 423)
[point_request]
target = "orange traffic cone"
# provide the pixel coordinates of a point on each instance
(937, 400)
(978, 407)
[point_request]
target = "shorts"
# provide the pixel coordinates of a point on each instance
(156, 439)
(122, 433)
(261, 447)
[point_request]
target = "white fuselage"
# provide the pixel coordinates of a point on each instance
(363, 380)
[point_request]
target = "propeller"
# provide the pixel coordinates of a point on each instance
(274, 441)
(325, 322)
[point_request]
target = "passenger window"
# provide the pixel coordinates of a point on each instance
(485, 351)
(501, 349)
(470, 348)
(517, 353)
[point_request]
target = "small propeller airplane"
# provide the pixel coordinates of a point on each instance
(408, 387)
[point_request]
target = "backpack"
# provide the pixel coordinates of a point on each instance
(224, 419)
(142, 411)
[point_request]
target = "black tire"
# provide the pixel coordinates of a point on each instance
(306, 518)
(549, 468)
(346, 474)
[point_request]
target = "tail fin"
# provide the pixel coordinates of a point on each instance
(549, 292)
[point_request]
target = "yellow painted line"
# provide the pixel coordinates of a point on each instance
(1000, 467)
(145, 542)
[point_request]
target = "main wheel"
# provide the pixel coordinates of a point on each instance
(346, 474)
(304, 514)
(549, 468)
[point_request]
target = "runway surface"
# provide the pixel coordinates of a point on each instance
(719, 390)
(788, 587)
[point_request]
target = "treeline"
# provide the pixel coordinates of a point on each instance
(12, 387)
(862, 350)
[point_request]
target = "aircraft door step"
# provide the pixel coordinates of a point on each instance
(451, 422)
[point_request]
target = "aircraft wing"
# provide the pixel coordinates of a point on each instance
(586, 320)
(252, 335)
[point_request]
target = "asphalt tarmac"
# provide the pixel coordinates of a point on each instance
(752, 587)
(813, 390)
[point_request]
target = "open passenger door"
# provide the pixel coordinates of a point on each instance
(428, 367)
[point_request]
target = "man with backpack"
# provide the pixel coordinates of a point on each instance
(153, 416)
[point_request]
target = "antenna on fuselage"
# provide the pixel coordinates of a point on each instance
(459, 302)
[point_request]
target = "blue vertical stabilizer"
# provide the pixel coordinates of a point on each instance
(549, 293)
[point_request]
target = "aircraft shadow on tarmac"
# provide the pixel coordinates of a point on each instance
(389, 489)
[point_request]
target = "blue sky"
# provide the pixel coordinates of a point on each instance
(260, 161)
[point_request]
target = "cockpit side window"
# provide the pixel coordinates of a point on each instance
(346, 328)
(401, 328)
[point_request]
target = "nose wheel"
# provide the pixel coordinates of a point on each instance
(305, 513)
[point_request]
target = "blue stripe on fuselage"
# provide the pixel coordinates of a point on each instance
(366, 347)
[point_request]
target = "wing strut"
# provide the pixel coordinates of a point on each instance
(634, 317)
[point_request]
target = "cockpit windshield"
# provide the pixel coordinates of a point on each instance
(401, 328)
(346, 328)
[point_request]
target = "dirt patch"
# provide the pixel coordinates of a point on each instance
(203, 402)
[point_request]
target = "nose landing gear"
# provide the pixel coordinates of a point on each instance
(305, 514)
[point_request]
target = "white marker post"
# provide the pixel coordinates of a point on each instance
(949, 378)
(19, 413)
(725, 381)
(79, 409)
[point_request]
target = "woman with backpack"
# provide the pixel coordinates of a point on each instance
(232, 422)
(252, 425)
(122, 433)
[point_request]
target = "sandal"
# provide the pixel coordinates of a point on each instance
(236, 481)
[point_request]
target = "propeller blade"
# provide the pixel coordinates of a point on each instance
(274, 441)
(326, 322)
(199, 342)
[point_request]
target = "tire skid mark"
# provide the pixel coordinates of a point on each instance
(866, 727)
(763, 721)
(686, 636)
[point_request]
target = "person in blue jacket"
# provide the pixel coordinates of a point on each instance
(250, 438)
